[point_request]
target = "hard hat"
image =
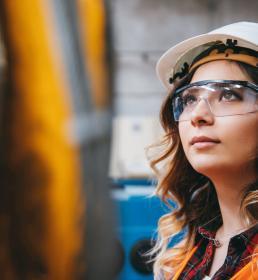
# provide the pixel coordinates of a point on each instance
(178, 61)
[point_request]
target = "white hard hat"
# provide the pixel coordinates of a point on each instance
(173, 61)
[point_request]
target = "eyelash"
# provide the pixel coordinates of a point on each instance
(236, 95)
(188, 96)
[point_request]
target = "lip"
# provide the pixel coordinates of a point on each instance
(203, 141)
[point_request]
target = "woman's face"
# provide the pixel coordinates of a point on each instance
(236, 137)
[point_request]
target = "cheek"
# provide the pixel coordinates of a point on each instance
(241, 140)
(184, 133)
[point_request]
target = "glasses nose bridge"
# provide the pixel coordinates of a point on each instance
(205, 98)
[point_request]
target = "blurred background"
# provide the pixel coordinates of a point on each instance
(79, 102)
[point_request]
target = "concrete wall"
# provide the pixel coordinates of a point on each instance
(143, 29)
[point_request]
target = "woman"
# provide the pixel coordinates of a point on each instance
(209, 160)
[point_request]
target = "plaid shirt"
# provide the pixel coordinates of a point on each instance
(240, 248)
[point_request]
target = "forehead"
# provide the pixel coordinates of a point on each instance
(220, 70)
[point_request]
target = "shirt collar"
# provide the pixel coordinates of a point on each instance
(209, 228)
(249, 238)
(208, 231)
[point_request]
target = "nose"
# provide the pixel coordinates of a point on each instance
(202, 114)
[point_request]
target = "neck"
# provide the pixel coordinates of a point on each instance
(230, 188)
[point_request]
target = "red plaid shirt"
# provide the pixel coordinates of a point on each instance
(240, 248)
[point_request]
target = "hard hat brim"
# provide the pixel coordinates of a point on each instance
(181, 52)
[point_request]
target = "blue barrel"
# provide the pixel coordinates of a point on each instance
(138, 213)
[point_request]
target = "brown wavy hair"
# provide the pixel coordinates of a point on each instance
(194, 194)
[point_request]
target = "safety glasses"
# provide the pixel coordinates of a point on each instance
(223, 98)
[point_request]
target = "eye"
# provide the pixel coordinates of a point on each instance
(188, 99)
(229, 95)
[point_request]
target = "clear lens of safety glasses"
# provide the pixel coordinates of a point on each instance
(224, 97)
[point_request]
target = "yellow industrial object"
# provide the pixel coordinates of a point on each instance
(93, 26)
(47, 213)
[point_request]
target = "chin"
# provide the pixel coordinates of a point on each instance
(208, 166)
(205, 170)
(211, 167)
